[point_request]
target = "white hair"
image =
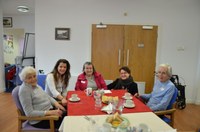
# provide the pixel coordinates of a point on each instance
(169, 69)
(26, 71)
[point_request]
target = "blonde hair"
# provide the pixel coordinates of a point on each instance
(168, 67)
(26, 71)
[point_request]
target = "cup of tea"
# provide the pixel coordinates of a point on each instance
(129, 102)
(88, 91)
(127, 95)
(74, 96)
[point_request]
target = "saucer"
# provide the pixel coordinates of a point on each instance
(124, 97)
(74, 100)
(129, 106)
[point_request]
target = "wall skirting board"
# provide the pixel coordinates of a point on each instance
(189, 101)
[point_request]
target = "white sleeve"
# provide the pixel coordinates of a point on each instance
(51, 85)
(64, 93)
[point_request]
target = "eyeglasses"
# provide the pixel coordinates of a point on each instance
(160, 73)
(122, 73)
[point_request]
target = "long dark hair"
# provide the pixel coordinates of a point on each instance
(66, 76)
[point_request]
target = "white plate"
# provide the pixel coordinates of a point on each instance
(124, 124)
(127, 97)
(129, 106)
(74, 100)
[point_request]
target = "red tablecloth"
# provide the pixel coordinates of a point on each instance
(86, 105)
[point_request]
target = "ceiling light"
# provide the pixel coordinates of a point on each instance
(23, 9)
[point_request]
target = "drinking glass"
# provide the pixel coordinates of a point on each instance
(114, 105)
(120, 106)
(97, 97)
(96, 94)
(98, 103)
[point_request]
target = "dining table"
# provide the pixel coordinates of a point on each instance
(149, 119)
(86, 104)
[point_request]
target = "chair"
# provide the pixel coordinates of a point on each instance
(168, 115)
(23, 124)
(10, 72)
(41, 80)
(108, 81)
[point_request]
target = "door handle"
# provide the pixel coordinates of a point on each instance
(119, 57)
(127, 57)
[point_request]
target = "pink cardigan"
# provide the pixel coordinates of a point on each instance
(82, 82)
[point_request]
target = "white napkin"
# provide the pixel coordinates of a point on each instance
(107, 91)
(107, 108)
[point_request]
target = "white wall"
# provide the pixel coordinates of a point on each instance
(26, 22)
(2, 74)
(197, 83)
(178, 23)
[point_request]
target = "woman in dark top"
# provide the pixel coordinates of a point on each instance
(125, 81)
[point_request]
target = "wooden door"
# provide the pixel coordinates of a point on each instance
(120, 45)
(140, 53)
(107, 50)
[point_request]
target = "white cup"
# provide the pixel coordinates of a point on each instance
(127, 95)
(102, 91)
(107, 127)
(88, 91)
(129, 102)
(74, 96)
(144, 127)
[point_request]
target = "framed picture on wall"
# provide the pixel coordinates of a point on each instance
(7, 21)
(62, 33)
